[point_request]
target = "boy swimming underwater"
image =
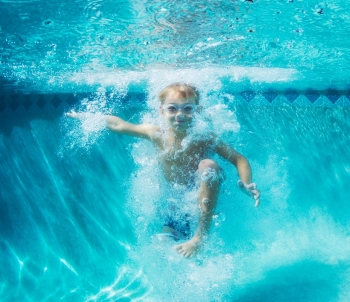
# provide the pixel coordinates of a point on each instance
(181, 163)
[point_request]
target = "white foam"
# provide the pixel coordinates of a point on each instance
(281, 242)
(208, 78)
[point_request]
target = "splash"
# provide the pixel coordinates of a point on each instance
(251, 252)
(206, 79)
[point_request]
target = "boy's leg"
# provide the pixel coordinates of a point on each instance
(210, 179)
(173, 233)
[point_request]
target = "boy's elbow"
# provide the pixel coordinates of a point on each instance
(241, 161)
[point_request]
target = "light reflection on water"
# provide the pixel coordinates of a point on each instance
(77, 208)
(56, 39)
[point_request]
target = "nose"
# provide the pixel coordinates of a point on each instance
(179, 112)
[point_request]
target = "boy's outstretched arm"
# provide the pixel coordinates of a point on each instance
(120, 126)
(243, 168)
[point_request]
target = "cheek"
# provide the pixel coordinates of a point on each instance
(189, 118)
(168, 118)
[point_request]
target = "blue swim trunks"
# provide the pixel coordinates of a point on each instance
(180, 223)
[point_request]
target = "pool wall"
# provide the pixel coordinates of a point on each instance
(23, 104)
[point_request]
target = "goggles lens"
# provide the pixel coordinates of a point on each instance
(173, 108)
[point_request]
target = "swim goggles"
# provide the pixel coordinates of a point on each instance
(186, 108)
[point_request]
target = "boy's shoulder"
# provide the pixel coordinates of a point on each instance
(208, 137)
(151, 130)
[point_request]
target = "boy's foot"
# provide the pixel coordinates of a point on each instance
(189, 248)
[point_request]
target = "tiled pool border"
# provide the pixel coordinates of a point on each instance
(22, 104)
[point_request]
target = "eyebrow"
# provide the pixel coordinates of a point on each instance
(181, 105)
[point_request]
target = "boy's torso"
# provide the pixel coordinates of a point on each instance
(180, 157)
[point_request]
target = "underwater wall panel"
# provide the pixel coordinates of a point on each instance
(19, 104)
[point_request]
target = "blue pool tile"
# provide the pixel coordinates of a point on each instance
(302, 101)
(27, 103)
(71, 100)
(260, 100)
(333, 96)
(270, 95)
(291, 95)
(344, 101)
(248, 95)
(56, 101)
(239, 100)
(41, 102)
(323, 101)
(348, 95)
(32, 103)
(14, 104)
(312, 95)
(281, 100)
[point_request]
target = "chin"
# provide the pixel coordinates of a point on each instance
(181, 128)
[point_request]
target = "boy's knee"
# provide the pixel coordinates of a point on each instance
(208, 163)
(209, 171)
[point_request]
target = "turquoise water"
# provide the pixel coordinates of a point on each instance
(79, 208)
(79, 205)
(43, 44)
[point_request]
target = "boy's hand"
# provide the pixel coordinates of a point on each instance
(251, 190)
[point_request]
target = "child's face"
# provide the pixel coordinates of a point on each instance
(180, 120)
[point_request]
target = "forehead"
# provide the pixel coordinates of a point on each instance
(178, 97)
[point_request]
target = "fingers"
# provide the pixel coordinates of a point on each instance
(178, 247)
(256, 196)
(252, 186)
(250, 189)
(257, 201)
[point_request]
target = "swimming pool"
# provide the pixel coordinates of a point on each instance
(78, 204)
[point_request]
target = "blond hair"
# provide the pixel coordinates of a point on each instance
(185, 90)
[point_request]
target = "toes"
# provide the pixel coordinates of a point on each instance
(183, 253)
(178, 247)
